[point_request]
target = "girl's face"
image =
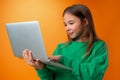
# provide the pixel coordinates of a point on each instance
(73, 26)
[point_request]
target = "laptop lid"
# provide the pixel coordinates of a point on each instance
(26, 35)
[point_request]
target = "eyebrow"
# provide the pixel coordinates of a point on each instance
(70, 21)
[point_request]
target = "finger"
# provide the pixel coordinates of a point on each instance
(30, 56)
(35, 63)
(31, 63)
(52, 58)
(25, 53)
(55, 58)
(38, 62)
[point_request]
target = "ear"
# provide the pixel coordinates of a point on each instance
(85, 22)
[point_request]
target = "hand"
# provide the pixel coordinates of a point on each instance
(55, 58)
(27, 55)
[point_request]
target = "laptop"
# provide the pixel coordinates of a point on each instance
(27, 35)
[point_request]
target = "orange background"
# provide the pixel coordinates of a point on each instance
(49, 14)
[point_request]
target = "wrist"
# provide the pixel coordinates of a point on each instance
(40, 67)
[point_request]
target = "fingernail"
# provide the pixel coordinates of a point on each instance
(30, 51)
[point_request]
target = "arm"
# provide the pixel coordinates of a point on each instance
(93, 69)
(94, 66)
(43, 72)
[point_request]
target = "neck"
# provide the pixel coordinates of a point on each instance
(82, 39)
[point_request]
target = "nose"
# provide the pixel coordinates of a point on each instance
(67, 28)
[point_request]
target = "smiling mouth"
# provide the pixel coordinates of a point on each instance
(71, 33)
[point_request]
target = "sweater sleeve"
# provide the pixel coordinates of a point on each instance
(45, 73)
(89, 70)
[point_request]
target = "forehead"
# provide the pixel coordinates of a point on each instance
(68, 17)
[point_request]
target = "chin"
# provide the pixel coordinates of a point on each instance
(72, 37)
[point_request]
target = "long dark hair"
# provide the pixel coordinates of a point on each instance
(82, 12)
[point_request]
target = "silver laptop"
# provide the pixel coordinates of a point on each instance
(27, 35)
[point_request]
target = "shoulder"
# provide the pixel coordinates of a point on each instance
(99, 44)
(60, 45)
(64, 45)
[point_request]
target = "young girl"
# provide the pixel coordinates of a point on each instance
(84, 52)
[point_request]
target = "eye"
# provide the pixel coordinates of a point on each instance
(71, 23)
(65, 24)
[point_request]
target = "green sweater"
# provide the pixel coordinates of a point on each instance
(91, 67)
